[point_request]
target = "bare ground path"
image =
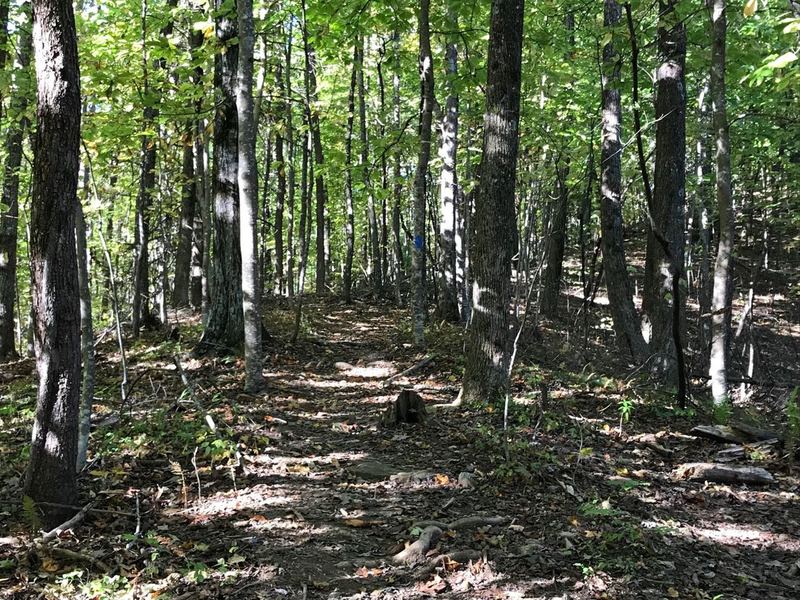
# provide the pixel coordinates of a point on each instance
(301, 494)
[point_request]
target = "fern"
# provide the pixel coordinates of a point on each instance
(31, 513)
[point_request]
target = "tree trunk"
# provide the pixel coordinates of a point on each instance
(87, 334)
(419, 304)
(9, 211)
(349, 225)
(224, 331)
(623, 311)
(669, 190)
(183, 254)
(372, 216)
(397, 243)
(448, 188)
(248, 200)
(556, 242)
(289, 165)
(488, 343)
(54, 266)
(723, 279)
(280, 195)
(319, 159)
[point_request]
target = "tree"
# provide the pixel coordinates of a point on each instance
(349, 224)
(54, 266)
(448, 188)
(494, 241)
(623, 311)
(224, 330)
(10, 196)
(248, 200)
(669, 190)
(419, 307)
(723, 280)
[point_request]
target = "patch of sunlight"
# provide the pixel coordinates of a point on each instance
(371, 372)
(252, 498)
(731, 534)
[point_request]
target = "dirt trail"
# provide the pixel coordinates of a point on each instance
(323, 497)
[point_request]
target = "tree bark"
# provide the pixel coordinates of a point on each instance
(280, 195)
(419, 304)
(397, 242)
(54, 266)
(556, 242)
(488, 340)
(372, 216)
(9, 208)
(623, 311)
(224, 331)
(669, 190)
(183, 254)
(87, 333)
(349, 225)
(319, 159)
(248, 200)
(289, 165)
(448, 188)
(723, 279)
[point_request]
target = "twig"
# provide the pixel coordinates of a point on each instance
(197, 475)
(428, 358)
(189, 386)
(68, 524)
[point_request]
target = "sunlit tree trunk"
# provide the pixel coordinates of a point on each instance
(372, 215)
(87, 333)
(488, 343)
(620, 293)
(349, 223)
(419, 301)
(290, 245)
(280, 195)
(448, 188)
(224, 331)
(54, 266)
(9, 202)
(248, 200)
(723, 280)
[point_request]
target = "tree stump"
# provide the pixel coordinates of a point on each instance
(408, 407)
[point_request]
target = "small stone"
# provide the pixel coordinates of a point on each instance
(466, 480)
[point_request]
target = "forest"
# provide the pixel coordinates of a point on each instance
(378, 299)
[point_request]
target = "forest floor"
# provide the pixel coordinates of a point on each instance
(301, 493)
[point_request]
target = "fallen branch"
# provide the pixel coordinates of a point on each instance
(66, 525)
(718, 473)
(462, 523)
(426, 360)
(460, 556)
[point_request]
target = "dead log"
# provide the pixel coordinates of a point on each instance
(719, 473)
(741, 451)
(408, 407)
(736, 433)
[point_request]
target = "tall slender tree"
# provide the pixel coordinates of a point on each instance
(419, 301)
(669, 190)
(494, 243)
(723, 280)
(54, 267)
(248, 199)
(9, 202)
(349, 223)
(448, 185)
(620, 293)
